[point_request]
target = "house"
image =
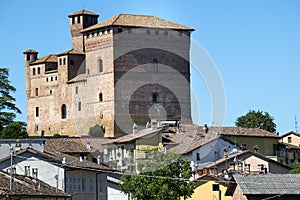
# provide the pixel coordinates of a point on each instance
(124, 152)
(24, 188)
(291, 138)
(80, 178)
(199, 147)
(287, 153)
(210, 187)
(267, 186)
(244, 162)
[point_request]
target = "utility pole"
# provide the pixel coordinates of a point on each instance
(11, 168)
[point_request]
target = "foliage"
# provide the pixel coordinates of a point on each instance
(296, 169)
(14, 130)
(56, 135)
(255, 119)
(97, 131)
(161, 177)
(8, 108)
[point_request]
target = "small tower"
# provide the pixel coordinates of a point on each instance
(29, 57)
(79, 21)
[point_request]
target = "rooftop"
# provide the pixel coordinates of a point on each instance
(130, 20)
(46, 59)
(83, 12)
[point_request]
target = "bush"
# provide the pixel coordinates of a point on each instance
(97, 131)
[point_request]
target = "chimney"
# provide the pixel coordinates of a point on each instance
(88, 145)
(134, 131)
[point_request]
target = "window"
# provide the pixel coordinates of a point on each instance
(67, 184)
(60, 61)
(100, 65)
(64, 61)
(36, 128)
(73, 20)
(289, 139)
(100, 186)
(50, 91)
(63, 111)
(37, 111)
(42, 133)
(36, 91)
(197, 156)
(56, 78)
(28, 57)
(74, 184)
(33, 71)
(27, 170)
(148, 32)
(76, 90)
(154, 65)
(79, 106)
(79, 184)
(71, 62)
(215, 187)
(100, 97)
(34, 172)
(91, 185)
(71, 186)
(157, 32)
(51, 78)
(154, 98)
(39, 70)
(83, 184)
(47, 79)
(78, 20)
(88, 71)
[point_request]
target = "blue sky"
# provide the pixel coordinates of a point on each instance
(254, 44)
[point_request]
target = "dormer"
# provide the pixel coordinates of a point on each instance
(79, 21)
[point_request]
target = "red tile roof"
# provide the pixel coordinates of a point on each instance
(83, 12)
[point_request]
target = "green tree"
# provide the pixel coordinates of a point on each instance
(296, 169)
(257, 119)
(14, 130)
(8, 108)
(97, 131)
(161, 177)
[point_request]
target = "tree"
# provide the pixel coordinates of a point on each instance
(296, 169)
(14, 130)
(8, 108)
(97, 131)
(257, 119)
(161, 177)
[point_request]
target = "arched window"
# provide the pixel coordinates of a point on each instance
(100, 65)
(33, 71)
(154, 65)
(71, 62)
(63, 111)
(36, 91)
(39, 70)
(100, 97)
(154, 98)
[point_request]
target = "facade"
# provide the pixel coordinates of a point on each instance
(80, 178)
(125, 70)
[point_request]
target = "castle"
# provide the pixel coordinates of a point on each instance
(129, 69)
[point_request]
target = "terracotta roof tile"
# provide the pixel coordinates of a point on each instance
(71, 51)
(30, 51)
(131, 20)
(82, 12)
(46, 59)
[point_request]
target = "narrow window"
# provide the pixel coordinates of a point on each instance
(79, 106)
(33, 71)
(88, 71)
(56, 78)
(71, 62)
(73, 20)
(47, 79)
(78, 20)
(100, 97)
(36, 91)
(34, 172)
(198, 156)
(76, 90)
(79, 184)
(289, 139)
(100, 65)
(154, 98)
(28, 57)
(50, 91)
(63, 111)
(91, 185)
(154, 65)
(51, 78)
(42, 133)
(64, 61)
(71, 185)
(27, 170)
(74, 184)
(100, 186)
(60, 61)
(83, 184)
(37, 111)
(36, 128)
(39, 70)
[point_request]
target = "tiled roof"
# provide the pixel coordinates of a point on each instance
(26, 186)
(131, 137)
(82, 12)
(45, 59)
(65, 145)
(145, 21)
(290, 133)
(78, 78)
(269, 184)
(290, 146)
(71, 51)
(30, 51)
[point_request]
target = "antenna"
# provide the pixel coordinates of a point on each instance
(296, 124)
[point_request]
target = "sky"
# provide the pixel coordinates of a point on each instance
(254, 45)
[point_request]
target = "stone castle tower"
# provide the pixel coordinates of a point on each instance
(124, 70)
